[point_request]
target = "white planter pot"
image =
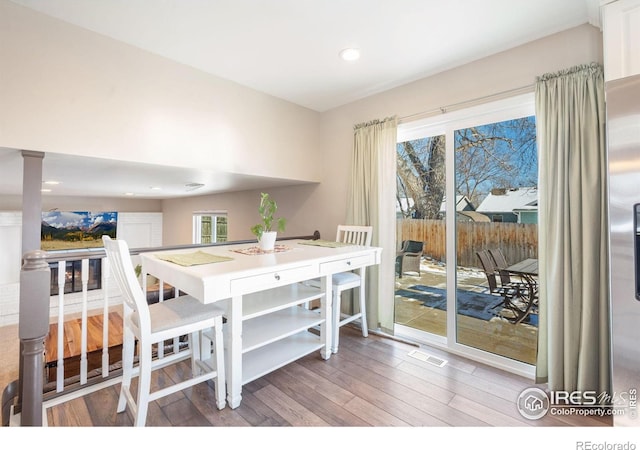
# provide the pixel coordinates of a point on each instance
(268, 240)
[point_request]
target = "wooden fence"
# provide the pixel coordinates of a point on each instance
(518, 241)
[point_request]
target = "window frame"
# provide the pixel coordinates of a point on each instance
(197, 225)
(445, 124)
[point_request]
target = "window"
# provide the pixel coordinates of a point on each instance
(209, 227)
(73, 276)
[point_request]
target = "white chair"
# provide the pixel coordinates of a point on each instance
(153, 324)
(344, 281)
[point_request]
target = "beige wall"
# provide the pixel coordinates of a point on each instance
(242, 209)
(322, 207)
(89, 95)
(67, 90)
(502, 72)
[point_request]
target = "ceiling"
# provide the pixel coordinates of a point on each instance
(289, 49)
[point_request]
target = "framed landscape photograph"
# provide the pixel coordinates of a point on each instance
(64, 230)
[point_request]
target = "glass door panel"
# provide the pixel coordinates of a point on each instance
(421, 294)
(496, 226)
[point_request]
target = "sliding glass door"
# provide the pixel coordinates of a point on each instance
(467, 189)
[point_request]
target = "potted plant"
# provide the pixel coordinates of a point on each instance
(264, 230)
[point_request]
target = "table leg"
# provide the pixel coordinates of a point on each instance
(528, 299)
(326, 303)
(233, 355)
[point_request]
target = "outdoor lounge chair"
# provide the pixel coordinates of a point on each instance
(408, 258)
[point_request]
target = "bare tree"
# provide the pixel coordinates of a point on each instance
(502, 154)
(421, 175)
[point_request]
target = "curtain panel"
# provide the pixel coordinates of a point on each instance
(574, 328)
(371, 197)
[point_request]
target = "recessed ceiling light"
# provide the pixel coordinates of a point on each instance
(45, 190)
(51, 182)
(350, 54)
(156, 188)
(129, 194)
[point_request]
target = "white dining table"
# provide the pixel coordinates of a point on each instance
(264, 296)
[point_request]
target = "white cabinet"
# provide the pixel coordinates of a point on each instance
(275, 328)
(621, 38)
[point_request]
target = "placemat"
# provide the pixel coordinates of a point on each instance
(193, 259)
(278, 248)
(322, 243)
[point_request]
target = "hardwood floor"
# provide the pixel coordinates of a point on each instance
(370, 382)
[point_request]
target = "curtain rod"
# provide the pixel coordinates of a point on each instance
(467, 103)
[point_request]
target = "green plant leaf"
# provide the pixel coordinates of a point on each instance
(267, 210)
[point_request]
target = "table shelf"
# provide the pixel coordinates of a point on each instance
(277, 354)
(272, 300)
(268, 328)
(275, 328)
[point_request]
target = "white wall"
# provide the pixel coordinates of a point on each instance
(141, 229)
(68, 90)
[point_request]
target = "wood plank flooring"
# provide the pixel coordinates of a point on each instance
(370, 382)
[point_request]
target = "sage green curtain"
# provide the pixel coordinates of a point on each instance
(574, 322)
(371, 199)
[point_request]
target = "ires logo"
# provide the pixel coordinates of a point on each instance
(575, 398)
(534, 403)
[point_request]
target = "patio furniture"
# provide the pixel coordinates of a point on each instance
(517, 297)
(500, 265)
(409, 256)
(151, 325)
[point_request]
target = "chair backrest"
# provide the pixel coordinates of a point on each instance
(488, 268)
(498, 258)
(500, 263)
(355, 234)
(412, 246)
(122, 269)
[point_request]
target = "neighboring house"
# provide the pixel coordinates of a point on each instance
(465, 211)
(515, 205)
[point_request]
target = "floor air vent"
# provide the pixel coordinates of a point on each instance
(422, 356)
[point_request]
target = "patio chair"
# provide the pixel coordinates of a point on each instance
(151, 325)
(513, 294)
(409, 257)
(500, 264)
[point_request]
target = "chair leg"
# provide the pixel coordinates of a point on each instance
(195, 349)
(335, 326)
(220, 380)
(144, 385)
(363, 310)
(128, 350)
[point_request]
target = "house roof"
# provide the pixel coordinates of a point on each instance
(509, 200)
(462, 203)
(474, 216)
